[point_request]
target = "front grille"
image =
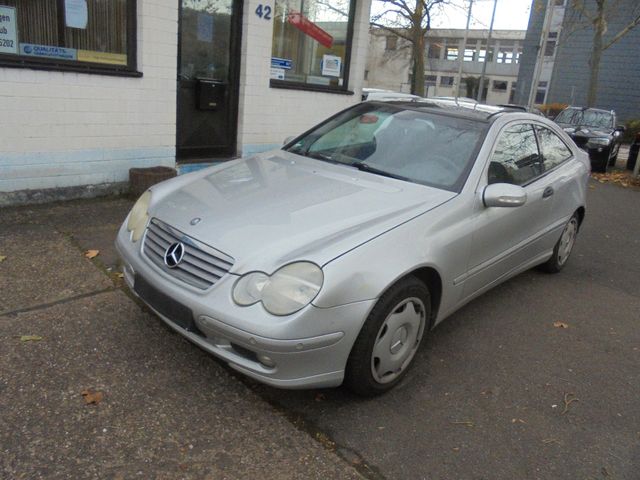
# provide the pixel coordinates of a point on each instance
(201, 266)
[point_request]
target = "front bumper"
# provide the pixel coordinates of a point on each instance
(308, 349)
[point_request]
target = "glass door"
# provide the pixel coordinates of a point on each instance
(208, 64)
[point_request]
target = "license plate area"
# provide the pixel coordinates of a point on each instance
(167, 306)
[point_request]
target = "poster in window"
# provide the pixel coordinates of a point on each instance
(8, 30)
(331, 65)
(76, 14)
(205, 27)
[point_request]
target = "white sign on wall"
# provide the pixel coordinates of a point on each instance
(8, 30)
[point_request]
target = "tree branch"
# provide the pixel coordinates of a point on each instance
(623, 32)
(395, 31)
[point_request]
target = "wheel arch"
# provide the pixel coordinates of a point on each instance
(581, 213)
(433, 281)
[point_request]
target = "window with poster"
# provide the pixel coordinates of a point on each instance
(312, 44)
(93, 36)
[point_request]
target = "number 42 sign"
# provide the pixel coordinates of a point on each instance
(263, 11)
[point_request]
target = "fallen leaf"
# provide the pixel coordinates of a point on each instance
(320, 397)
(91, 253)
(30, 338)
(560, 325)
(92, 397)
(569, 398)
(517, 420)
(2, 258)
(120, 275)
(466, 423)
(550, 440)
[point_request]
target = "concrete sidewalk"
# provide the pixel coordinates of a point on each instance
(168, 409)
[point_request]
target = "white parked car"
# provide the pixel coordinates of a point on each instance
(331, 259)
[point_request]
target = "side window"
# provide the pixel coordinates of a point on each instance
(553, 150)
(516, 159)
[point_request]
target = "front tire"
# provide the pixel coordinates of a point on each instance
(389, 339)
(564, 246)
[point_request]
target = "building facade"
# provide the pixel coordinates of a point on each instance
(89, 89)
(565, 67)
(389, 62)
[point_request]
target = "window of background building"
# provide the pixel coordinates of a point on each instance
(446, 81)
(469, 53)
(451, 50)
(95, 36)
(430, 81)
(435, 48)
(550, 48)
(499, 85)
(483, 53)
(316, 38)
(518, 57)
(505, 54)
(391, 43)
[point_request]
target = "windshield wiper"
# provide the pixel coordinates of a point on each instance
(368, 168)
(319, 156)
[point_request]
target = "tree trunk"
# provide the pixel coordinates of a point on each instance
(600, 26)
(417, 88)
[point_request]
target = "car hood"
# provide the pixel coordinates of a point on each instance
(584, 131)
(276, 208)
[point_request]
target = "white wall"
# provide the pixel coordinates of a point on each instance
(62, 129)
(268, 115)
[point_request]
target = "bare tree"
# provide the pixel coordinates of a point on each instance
(409, 20)
(597, 14)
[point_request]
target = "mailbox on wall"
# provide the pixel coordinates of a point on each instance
(210, 94)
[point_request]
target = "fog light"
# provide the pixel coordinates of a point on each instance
(266, 361)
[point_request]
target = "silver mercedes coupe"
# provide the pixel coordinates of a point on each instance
(330, 260)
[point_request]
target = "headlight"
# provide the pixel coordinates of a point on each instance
(286, 291)
(599, 141)
(139, 216)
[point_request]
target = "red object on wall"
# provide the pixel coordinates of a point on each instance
(307, 27)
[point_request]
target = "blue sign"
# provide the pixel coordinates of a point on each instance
(281, 63)
(46, 51)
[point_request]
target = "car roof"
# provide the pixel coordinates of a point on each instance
(472, 111)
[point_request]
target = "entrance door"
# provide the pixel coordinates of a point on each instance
(208, 65)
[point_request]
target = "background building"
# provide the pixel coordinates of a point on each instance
(565, 68)
(389, 62)
(89, 89)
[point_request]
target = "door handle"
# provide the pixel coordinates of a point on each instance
(547, 192)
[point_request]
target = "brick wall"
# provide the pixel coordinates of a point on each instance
(62, 129)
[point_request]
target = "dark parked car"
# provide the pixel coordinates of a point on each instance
(594, 131)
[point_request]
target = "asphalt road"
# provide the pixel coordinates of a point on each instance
(497, 391)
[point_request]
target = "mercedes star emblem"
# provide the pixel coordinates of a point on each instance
(173, 255)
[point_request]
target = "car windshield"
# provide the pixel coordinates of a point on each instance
(587, 118)
(437, 150)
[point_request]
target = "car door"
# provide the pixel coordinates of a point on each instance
(506, 239)
(563, 172)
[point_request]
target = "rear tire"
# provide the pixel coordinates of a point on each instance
(564, 246)
(389, 339)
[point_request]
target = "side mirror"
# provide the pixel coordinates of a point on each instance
(504, 195)
(288, 140)
(621, 128)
